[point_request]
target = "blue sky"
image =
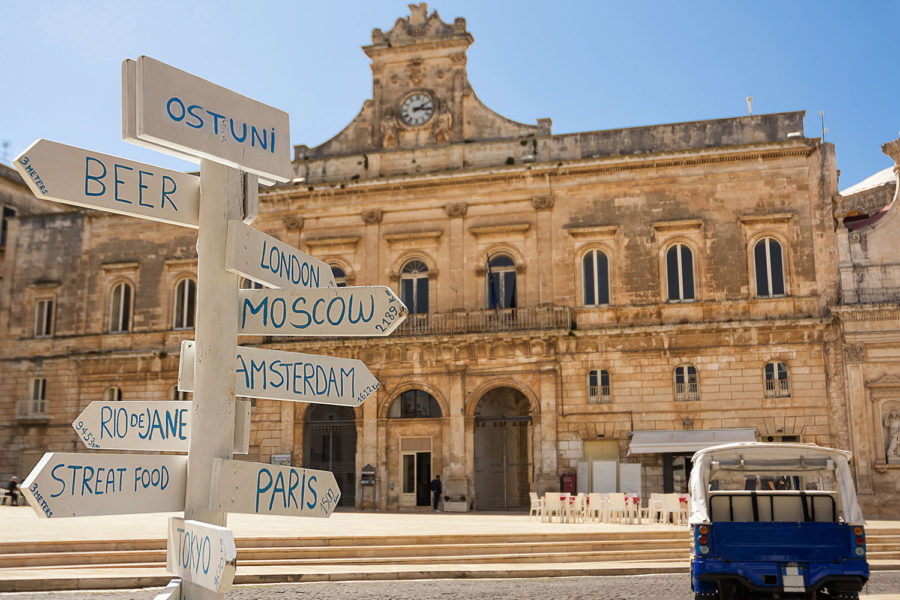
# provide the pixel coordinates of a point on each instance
(586, 65)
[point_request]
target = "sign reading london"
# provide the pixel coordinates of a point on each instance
(266, 260)
(90, 179)
(279, 375)
(194, 117)
(369, 311)
(66, 484)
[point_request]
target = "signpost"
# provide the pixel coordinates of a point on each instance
(261, 489)
(71, 175)
(235, 139)
(65, 484)
(178, 111)
(292, 376)
(268, 261)
(149, 426)
(345, 311)
(202, 554)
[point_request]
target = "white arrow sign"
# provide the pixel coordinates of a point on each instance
(149, 426)
(369, 311)
(290, 376)
(189, 116)
(201, 553)
(65, 484)
(268, 261)
(90, 179)
(277, 490)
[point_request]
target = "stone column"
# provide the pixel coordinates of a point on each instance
(546, 476)
(544, 233)
(455, 463)
(367, 449)
(371, 246)
(456, 244)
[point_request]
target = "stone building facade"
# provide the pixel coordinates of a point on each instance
(599, 303)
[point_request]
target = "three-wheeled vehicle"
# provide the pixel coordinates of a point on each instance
(774, 520)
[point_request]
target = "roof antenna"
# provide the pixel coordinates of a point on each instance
(824, 129)
(749, 105)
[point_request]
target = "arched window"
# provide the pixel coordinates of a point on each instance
(598, 387)
(414, 287)
(340, 276)
(113, 394)
(686, 387)
(414, 404)
(249, 284)
(595, 278)
(120, 308)
(769, 268)
(778, 382)
(185, 302)
(680, 273)
(501, 282)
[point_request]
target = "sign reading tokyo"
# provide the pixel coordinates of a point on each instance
(276, 490)
(192, 116)
(369, 311)
(268, 261)
(149, 426)
(76, 485)
(89, 179)
(290, 376)
(201, 553)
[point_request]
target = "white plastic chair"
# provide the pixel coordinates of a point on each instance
(595, 507)
(553, 505)
(576, 508)
(653, 511)
(616, 508)
(672, 508)
(537, 506)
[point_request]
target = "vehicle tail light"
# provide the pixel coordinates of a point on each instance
(859, 539)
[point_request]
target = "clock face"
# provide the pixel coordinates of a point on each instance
(417, 109)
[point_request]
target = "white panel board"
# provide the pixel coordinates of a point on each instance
(630, 478)
(268, 261)
(290, 376)
(190, 115)
(65, 484)
(339, 311)
(261, 489)
(89, 179)
(582, 477)
(604, 476)
(201, 553)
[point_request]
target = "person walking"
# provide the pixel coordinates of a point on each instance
(13, 490)
(435, 487)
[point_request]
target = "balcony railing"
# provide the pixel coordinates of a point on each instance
(28, 409)
(686, 391)
(780, 388)
(480, 321)
(599, 394)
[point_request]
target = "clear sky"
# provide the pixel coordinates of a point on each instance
(587, 65)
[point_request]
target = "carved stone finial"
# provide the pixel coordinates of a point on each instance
(542, 202)
(892, 149)
(417, 13)
(293, 223)
(456, 210)
(372, 216)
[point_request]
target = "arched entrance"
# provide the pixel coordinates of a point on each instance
(329, 444)
(503, 450)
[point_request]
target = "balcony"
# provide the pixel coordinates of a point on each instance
(482, 321)
(778, 388)
(685, 392)
(32, 411)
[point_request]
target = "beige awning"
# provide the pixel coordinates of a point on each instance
(690, 440)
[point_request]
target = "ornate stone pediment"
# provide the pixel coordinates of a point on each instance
(885, 381)
(417, 26)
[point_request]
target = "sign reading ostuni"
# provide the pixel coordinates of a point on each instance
(195, 118)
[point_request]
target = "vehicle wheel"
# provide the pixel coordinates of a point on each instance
(706, 595)
(843, 595)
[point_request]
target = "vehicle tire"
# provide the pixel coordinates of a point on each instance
(706, 595)
(843, 595)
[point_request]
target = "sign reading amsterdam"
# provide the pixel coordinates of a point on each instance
(201, 553)
(261, 489)
(160, 426)
(182, 112)
(279, 375)
(65, 484)
(268, 261)
(79, 177)
(369, 311)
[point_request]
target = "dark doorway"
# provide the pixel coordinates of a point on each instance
(417, 476)
(503, 450)
(329, 444)
(676, 473)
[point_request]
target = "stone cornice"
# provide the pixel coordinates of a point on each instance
(867, 312)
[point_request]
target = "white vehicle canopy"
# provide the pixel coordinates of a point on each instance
(754, 458)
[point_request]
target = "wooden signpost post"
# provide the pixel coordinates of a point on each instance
(236, 140)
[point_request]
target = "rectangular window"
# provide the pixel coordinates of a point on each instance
(38, 396)
(43, 318)
(589, 298)
(421, 295)
(8, 213)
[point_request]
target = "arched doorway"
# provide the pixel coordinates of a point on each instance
(503, 450)
(329, 444)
